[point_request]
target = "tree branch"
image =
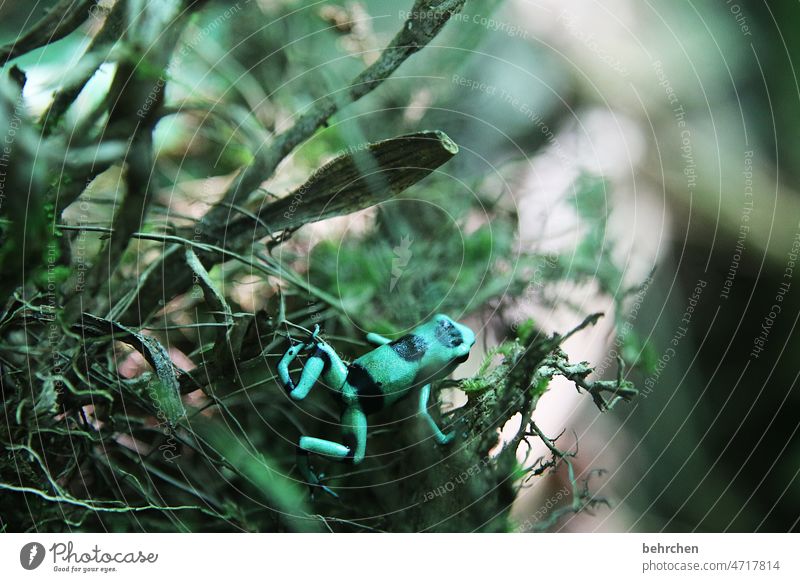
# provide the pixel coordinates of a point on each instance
(426, 19)
(59, 21)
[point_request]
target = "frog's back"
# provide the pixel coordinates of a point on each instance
(386, 374)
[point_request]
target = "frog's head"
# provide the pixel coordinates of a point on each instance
(447, 344)
(453, 338)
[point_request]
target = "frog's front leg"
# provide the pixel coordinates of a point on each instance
(377, 339)
(438, 435)
(354, 431)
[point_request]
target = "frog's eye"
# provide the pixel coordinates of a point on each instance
(448, 334)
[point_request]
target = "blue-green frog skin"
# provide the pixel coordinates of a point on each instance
(374, 382)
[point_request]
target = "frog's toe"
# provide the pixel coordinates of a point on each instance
(328, 490)
(316, 483)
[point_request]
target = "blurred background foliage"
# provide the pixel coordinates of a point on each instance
(570, 189)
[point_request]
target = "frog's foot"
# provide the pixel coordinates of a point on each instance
(315, 482)
(320, 478)
(312, 479)
(458, 428)
(354, 425)
(446, 438)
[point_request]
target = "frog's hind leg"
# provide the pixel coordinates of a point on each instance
(283, 366)
(354, 431)
(324, 362)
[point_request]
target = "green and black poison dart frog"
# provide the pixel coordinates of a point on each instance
(375, 381)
